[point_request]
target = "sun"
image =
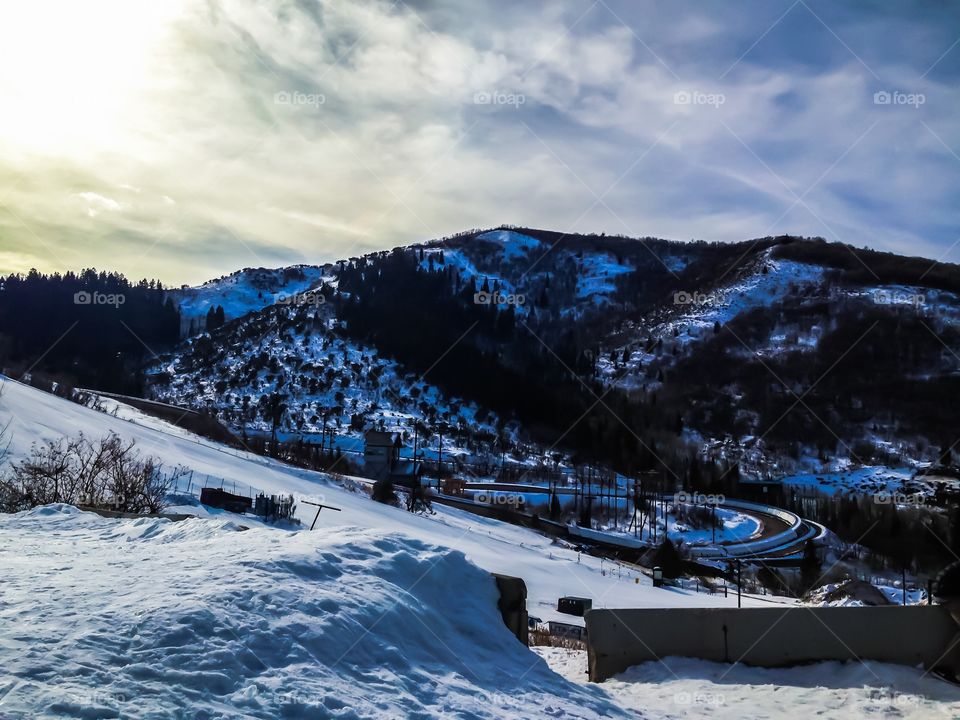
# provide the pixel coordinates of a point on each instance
(72, 73)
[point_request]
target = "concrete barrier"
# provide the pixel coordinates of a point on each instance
(749, 547)
(772, 637)
(513, 605)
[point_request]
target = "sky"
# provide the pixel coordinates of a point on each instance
(185, 139)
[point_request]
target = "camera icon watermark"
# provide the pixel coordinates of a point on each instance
(302, 299)
(886, 497)
(498, 298)
(301, 99)
(696, 97)
(896, 97)
(98, 298)
(700, 299)
(699, 698)
(500, 499)
(898, 297)
(695, 498)
(496, 97)
(94, 698)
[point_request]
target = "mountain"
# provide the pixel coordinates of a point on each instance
(241, 292)
(768, 356)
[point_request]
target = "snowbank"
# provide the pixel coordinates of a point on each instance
(136, 618)
(680, 688)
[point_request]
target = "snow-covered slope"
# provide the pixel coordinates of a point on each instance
(372, 614)
(325, 379)
(549, 570)
(376, 613)
(695, 313)
(244, 291)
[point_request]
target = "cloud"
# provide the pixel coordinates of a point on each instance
(216, 134)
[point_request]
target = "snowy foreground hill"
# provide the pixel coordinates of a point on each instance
(376, 613)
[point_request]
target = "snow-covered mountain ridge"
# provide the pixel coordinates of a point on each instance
(722, 339)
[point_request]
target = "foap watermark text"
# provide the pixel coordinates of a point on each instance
(98, 298)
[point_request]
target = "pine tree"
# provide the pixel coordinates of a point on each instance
(809, 566)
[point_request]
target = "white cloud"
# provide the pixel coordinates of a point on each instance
(185, 155)
(94, 204)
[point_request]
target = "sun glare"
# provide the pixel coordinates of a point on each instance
(72, 73)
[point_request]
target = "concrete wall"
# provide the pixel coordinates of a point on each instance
(770, 637)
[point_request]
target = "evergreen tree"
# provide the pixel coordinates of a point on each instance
(809, 566)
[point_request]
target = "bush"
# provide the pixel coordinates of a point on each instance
(383, 492)
(107, 473)
(668, 558)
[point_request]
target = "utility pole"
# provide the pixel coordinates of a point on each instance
(653, 520)
(616, 503)
(415, 429)
(440, 456)
(739, 568)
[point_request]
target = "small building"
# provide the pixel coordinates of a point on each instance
(571, 605)
(454, 486)
(567, 631)
(381, 451)
(381, 459)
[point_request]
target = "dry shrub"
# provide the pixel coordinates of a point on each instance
(545, 639)
(106, 473)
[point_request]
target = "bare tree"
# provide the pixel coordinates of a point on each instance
(104, 473)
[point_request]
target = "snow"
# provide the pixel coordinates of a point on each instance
(550, 570)
(376, 613)
(695, 311)
(682, 687)
(759, 289)
(596, 278)
(873, 479)
(857, 593)
(468, 270)
(246, 290)
(149, 618)
(515, 245)
(321, 371)
(733, 527)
